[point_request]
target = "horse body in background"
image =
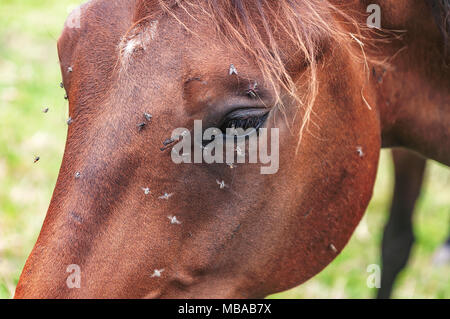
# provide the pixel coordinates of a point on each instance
(138, 225)
(398, 237)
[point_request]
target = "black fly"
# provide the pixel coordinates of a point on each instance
(141, 126)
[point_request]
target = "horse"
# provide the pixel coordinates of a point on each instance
(125, 221)
(398, 235)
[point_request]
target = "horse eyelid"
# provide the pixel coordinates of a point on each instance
(256, 121)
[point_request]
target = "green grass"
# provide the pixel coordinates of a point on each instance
(29, 81)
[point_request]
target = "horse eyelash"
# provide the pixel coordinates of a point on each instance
(245, 123)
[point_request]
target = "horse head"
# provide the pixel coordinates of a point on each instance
(134, 223)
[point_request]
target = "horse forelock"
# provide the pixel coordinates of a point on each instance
(441, 14)
(283, 37)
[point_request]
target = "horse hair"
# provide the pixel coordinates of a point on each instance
(441, 14)
(261, 29)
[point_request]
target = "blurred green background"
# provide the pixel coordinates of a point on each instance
(29, 82)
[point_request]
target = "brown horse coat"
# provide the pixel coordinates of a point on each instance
(263, 233)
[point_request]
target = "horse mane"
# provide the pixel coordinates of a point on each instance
(441, 14)
(262, 29)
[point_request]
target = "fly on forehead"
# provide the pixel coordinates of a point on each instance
(157, 273)
(221, 184)
(173, 220)
(165, 196)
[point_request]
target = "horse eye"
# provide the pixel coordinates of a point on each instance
(245, 121)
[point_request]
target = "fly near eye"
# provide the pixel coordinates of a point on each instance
(252, 91)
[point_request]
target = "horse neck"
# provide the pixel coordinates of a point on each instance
(412, 93)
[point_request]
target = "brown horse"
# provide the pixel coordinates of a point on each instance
(398, 237)
(336, 91)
